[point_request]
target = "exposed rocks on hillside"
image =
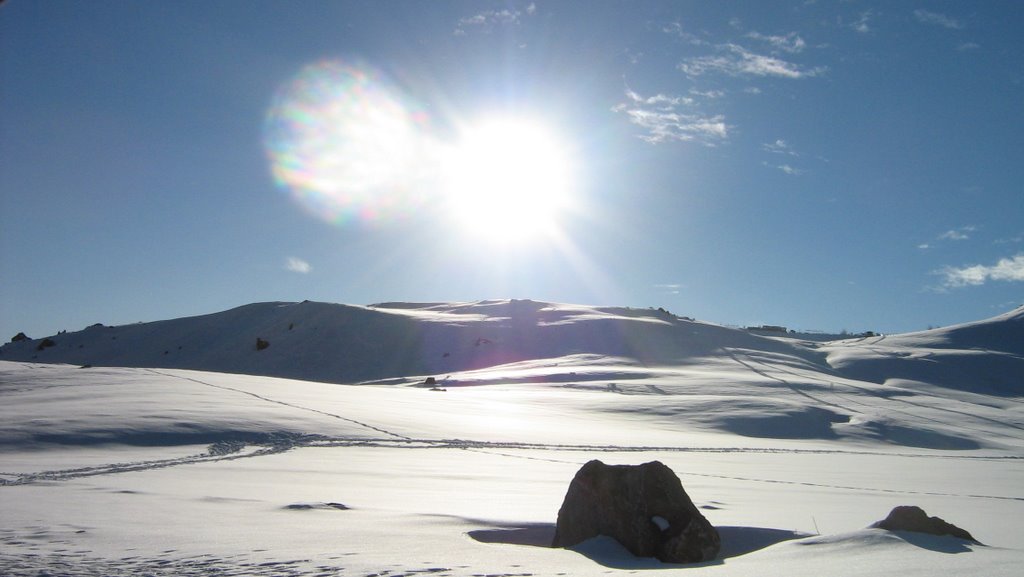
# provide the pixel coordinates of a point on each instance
(45, 344)
(261, 344)
(912, 518)
(20, 337)
(643, 507)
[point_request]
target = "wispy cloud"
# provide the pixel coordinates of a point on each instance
(676, 29)
(661, 101)
(786, 168)
(487, 20)
(791, 42)
(709, 94)
(962, 233)
(862, 23)
(670, 288)
(779, 147)
(968, 46)
(736, 60)
(663, 121)
(1007, 269)
(782, 147)
(297, 265)
(937, 19)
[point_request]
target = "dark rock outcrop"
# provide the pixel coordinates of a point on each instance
(643, 507)
(45, 344)
(20, 337)
(261, 344)
(912, 518)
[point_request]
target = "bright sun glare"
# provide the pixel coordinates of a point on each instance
(353, 148)
(508, 180)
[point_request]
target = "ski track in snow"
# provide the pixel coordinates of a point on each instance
(275, 401)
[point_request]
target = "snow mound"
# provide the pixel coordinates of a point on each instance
(983, 357)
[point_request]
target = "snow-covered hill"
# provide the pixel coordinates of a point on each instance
(980, 357)
(346, 343)
(168, 469)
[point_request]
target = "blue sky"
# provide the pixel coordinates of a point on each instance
(820, 165)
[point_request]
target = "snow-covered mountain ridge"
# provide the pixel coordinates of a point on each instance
(340, 343)
(347, 343)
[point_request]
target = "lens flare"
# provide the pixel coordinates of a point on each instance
(347, 144)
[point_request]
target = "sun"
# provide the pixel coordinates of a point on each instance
(508, 179)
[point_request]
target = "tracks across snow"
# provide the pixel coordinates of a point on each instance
(554, 452)
(279, 402)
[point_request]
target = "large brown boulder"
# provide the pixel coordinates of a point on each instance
(643, 507)
(912, 518)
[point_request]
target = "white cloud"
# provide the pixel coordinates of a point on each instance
(709, 94)
(298, 265)
(660, 117)
(1012, 240)
(861, 24)
(662, 101)
(962, 233)
(936, 19)
(968, 46)
(791, 42)
(790, 170)
(1007, 269)
(738, 61)
(676, 29)
(924, 246)
(487, 20)
(779, 147)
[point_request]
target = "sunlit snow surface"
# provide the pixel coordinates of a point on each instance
(166, 471)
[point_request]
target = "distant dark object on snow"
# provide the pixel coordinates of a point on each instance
(261, 344)
(913, 518)
(20, 337)
(430, 381)
(45, 344)
(311, 506)
(643, 507)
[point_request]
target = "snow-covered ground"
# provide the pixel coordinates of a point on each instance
(790, 448)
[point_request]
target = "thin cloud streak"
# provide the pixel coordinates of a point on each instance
(738, 61)
(936, 19)
(779, 147)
